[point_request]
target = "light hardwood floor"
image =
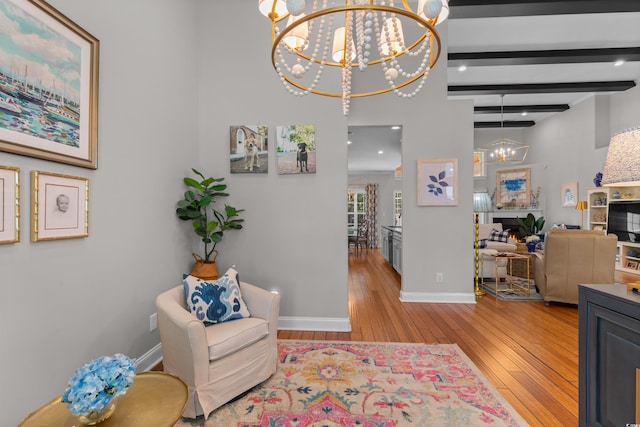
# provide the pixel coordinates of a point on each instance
(527, 350)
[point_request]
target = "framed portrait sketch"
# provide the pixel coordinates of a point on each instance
(9, 204)
(438, 182)
(249, 149)
(48, 85)
(296, 149)
(569, 194)
(59, 206)
(513, 188)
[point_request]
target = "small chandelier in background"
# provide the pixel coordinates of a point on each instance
(505, 151)
(336, 37)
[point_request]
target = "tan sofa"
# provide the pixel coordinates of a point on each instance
(487, 267)
(221, 361)
(572, 257)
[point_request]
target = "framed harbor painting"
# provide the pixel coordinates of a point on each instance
(59, 206)
(9, 204)
(48, 85)
(438, 182)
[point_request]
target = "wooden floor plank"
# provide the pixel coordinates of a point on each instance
(528, 351)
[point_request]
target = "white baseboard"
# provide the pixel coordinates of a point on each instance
(328, 324)
(442, 297)
(150, 359)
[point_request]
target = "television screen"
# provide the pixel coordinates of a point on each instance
(624, 220)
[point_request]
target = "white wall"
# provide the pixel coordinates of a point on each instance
(67, 302)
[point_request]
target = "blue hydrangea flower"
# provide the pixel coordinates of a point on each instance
(95, 384)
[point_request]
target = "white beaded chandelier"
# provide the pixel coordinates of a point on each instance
(335, 37)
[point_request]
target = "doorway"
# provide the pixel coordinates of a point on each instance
(374, 192)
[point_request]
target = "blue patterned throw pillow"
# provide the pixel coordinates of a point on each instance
(215, 301)
(499, 236)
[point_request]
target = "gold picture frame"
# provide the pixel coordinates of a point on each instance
(438, 182)
(59, 206)
(513, 188)
(9, 204)
(51, 82)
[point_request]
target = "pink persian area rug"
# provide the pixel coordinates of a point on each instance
(335, 383)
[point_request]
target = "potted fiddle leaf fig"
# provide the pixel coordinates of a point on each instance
(208, 222)
(530, 225)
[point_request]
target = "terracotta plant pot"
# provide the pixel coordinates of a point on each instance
(205, 270)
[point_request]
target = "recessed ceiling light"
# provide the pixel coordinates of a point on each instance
(524, 113)
(462, 68)
(618, 63)
(348, 142)
(380, 152)
(395, 127)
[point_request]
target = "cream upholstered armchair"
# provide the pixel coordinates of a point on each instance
(572, 257)
(220, 361)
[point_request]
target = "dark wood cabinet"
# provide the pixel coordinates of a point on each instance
(609, 356)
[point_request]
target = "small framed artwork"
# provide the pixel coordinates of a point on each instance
(296, 149)
(479, 164)
(9, 204)
(249, 149)
(632, 264)
(59, 206)
(569, 194)
(50, 86)
(513, 187)
(438, 182)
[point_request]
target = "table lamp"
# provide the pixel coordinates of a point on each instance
(481, 203)
(582, 205)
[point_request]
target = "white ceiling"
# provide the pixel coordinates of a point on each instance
(516, 34)
(366, 141)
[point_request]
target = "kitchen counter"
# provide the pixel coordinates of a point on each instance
(392, 245)
(393, 228)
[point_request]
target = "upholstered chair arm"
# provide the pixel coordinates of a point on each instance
(184, 343)
(262, 304)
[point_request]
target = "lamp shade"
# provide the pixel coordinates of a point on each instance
(622, 166)
(582, 205)
(481, 202)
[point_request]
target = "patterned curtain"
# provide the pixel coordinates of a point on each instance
(372, 215)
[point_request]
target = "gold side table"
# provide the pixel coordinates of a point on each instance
(510, 283)
(154, 399)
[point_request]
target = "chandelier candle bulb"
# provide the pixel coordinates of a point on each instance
(432, 8)
(295, 7)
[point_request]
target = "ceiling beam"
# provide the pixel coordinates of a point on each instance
(505, 124)
(512, 109)
(510, 89)
(500, 8)
(533, 57)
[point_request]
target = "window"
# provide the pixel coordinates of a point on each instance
(356, 209)
(397, 206)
